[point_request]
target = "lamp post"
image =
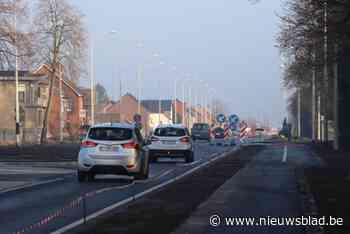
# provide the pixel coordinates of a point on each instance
(174, 116)
(159, 98)
(92, 83)
(17, 127)
(140, 72)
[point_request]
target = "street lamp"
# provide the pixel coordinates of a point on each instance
(159, 98)
(174, 115)
(18, 140)
(92, 76)
(140, 71)
(212, 93)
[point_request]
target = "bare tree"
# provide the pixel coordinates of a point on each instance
(14, 33)
(61, 40)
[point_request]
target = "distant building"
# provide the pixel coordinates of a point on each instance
(74, 113)
(161, 112)
(33, 98)
(33, 93)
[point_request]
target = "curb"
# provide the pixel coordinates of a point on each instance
(142, 194)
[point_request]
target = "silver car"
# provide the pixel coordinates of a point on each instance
(113, 149)
(201, 131)
(172, 141)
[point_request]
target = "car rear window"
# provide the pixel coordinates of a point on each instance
(218, 130)
(201, 126)
(110, 134)
(170, 132)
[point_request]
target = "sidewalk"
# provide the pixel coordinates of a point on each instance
(266, 187)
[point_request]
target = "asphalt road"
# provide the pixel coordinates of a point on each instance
(266, 187)
(48, 207)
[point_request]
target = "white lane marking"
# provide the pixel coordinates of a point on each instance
(33, 170)
(155, 177)
(31, 185)
(114, 188)
(285, 154)
(137, 196)
(192, 163)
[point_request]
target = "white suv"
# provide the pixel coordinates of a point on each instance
(173, 141)
(113, 149)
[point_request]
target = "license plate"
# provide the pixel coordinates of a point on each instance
(109, 148)
(169, 142)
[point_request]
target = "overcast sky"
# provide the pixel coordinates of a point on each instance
(230, 44)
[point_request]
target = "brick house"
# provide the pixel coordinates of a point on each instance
(127, 106)
(32, 100)
(74, 113)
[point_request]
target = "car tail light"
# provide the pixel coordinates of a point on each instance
(185, 140)
(154, 138)
(131, 145)
(88, 144)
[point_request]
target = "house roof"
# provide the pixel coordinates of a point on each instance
(153, 105)
(68, 83)
(12, 73)
(23, 76)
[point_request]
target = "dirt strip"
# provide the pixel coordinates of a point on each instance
(161, 212)
(330, 187)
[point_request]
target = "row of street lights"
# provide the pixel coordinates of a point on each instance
(202, 101)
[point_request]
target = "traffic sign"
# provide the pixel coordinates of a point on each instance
(221, 118)
(233, 119)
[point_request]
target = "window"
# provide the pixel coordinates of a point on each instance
(21, 96)
(170, 132)
(38, 92)
(110, 134)
(40, 119)
(201, 126)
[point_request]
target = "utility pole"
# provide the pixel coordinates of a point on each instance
(159, 104)
(120, 99)
(139, 79)
(92, 83)
(189, 119)
(18, 130)
(313, 101)
(183, 104)
(299, 112)
(61, 103)
(175, 98)
(336, 102)
(326, 91)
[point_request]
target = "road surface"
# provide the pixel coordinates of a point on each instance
(47, 207)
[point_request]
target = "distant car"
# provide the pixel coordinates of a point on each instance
(218, 136)
(113, 149)
(201, 131)
(173, 141)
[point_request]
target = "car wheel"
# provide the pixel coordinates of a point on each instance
(189, 157)
(81, 176)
